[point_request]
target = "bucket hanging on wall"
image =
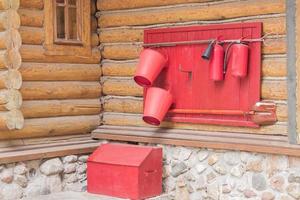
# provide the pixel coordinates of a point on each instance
(239, 57)
(156, 106)
(150, 64)
(216, 63)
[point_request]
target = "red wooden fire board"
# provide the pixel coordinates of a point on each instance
(195, 90)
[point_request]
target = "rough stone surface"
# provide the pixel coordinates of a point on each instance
(188, 173)
(69, 168)
(294, 190)
(7, 175)
(70, 159)
(12, 192)
(259, 182)
(178, 169)
(51, 167)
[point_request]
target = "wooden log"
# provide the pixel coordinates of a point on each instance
(274, 67)
(126, 51)
(127, 4)
(10, 59)
(36, 53)
(274, 89)
(11, 120)
(122, 119)
(271, 67)
(122, 87)
(10, 79)
(271, 89)
(7, 4)
(118, 68)
(60, 72)
(122, 104)
(191, 12)
(43, 127)
(32, 35)
(10, 39)
(38, 90)
(9, 19)
(36, 4)
(36, 36)
(275, 46)
(135, 105)
(10, 100)
(271, 25)
(30, 17)
(55, 108)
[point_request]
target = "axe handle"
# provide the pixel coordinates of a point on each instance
(212, 112)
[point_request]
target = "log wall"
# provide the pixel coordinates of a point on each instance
(11, 117)
(121, 24)
(60, 93)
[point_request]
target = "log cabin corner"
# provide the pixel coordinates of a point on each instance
(66, 87)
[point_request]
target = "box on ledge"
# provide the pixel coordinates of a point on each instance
(125, 171)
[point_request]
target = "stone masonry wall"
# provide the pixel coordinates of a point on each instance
(188, 174)
(39, 177)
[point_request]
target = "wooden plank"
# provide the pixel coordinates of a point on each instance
(274, 67)
(42, 153)
(38, 90)
(125, 119)
(230, 141)
(271, 25)
(274, 89)
(60, 72)
(55, 108)
(36, 53)
(190, 12)
(53, 126)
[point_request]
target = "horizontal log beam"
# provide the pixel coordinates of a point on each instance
(123, 87)
(271, 67)
(11, 120)
(127, 51)
(10, 79)
(36, 36)
(199, 139)
(36, 4)
(274, 89)
(32, 35)
(129, 4)
(271, 89)
(36, 53)
(271, 25)
(60, 72)
(55, 126)
(10, 100)
(123, 119)
(9, 19)
(135, 105)
(55, 108)
(38, 90)
(191, 12)
(30, 17)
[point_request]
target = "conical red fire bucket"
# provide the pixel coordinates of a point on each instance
(150, 65)
(157, 104)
